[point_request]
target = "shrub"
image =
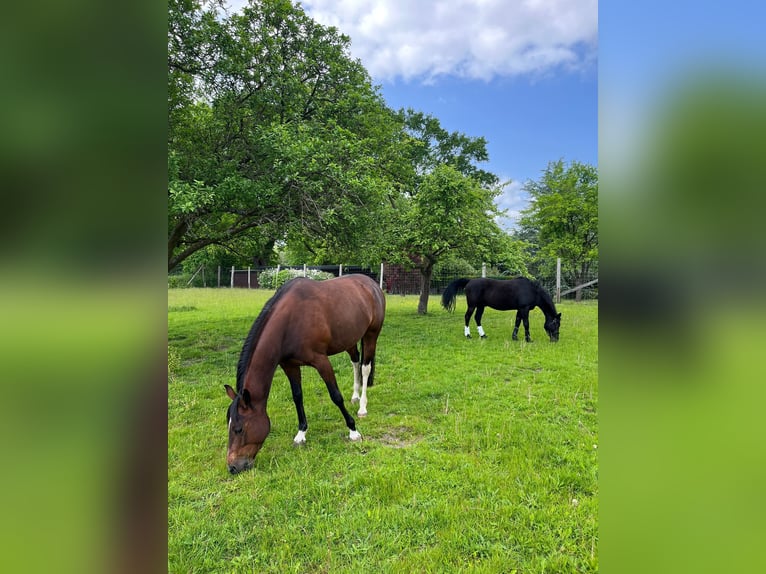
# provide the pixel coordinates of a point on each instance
(270, 279)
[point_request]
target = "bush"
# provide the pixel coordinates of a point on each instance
(269, 279)
(178, 281)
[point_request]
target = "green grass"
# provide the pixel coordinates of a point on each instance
(478, 455)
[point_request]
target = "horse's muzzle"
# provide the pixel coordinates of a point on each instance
(239, 466)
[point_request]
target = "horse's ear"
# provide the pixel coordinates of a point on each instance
(246, 397)
(559, 316)
(230, 392)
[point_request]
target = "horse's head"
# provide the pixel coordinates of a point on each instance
(552, 325)
(249, 426)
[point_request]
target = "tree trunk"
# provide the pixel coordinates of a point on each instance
(425, 287)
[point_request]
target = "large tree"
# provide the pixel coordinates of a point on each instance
(273, 130)
(449, 213)
(447, 204)
(562, 219)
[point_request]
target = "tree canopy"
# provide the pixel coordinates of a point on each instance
(273, 130)
(562, 219)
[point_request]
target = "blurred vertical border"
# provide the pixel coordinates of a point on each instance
(82, 287)
(682, 140)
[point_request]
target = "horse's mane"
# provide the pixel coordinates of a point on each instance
(546, 298)
(255, 333)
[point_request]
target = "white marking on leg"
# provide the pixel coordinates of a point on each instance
(300, 438)
(355, 435)
(366, 370)
(467, 331)
(357, 379)
(481, 331)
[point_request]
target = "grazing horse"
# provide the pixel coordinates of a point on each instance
(504, 295)
(302, 324)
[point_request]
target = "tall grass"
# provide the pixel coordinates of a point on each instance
(478, 455)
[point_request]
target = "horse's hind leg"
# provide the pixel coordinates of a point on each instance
(353, 354)
(369, 343)
(294, 376)
(322, 364)
(467, 320)
(479, 313)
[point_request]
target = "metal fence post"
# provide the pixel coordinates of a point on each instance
(558, 279)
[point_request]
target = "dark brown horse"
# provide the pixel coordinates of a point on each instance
(504, 295)
(302, 324)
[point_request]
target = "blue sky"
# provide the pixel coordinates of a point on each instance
(521, 74)
(526, 124)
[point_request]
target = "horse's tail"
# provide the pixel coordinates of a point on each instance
(450, 293)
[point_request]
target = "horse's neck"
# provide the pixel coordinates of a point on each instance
(260, 372)
(546, 305)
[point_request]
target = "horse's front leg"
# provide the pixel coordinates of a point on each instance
(515, 334)
(294, 376)
(525, 318)
(322, 364)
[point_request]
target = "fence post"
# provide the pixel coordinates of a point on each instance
(248, 277)
(232, 276)
(340, 270)
(304, 270)
(558, 279)
(381, 275)
(219, 275)
(483, 269)
(204, 282)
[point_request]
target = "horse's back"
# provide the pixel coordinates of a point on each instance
(331, 316)
(501, 294)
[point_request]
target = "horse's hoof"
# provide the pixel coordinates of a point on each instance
(354, 400)
(468, 336)
(515, 338)
(483, 336)
(300, 438)
(355, 435)
(361, 414)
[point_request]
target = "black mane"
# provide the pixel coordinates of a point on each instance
(255, 333)
(546, 299)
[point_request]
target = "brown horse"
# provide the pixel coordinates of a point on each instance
(302, 324)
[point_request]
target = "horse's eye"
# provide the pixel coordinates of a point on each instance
(238, 430)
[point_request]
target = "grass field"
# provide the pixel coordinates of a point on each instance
(478, 455)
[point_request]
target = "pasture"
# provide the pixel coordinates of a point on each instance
(477, 455)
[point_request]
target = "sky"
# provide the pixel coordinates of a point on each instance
(523, 75)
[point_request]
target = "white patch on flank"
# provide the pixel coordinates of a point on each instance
(357, 381)
(355, 435)
(481, 331)
(300, 438)
(366, 370)
(467, 331)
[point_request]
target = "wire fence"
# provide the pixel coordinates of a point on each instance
(394, 279)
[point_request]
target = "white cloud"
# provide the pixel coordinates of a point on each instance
(514, 200)
(478, 39)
